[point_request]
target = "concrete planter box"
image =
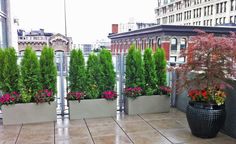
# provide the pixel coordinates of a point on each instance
(147, 104)
(92, 108)
(29, 113)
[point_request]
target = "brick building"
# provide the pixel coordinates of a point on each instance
(172, 38)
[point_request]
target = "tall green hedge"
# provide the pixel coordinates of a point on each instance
(48, 70)
(134, 68)
(30, 75)
(9, 71)
(160, 70)
(2, 55)
(149, 72)
(77, 72)
(107, 71)
(93, 77)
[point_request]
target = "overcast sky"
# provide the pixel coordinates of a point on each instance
(87, 20)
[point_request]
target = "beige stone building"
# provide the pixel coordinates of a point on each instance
(38, 39)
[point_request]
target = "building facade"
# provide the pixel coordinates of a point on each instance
(172, 38)
(5, 24)
(38, 39)
(196, 12)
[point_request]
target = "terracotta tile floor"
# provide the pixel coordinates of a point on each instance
(164, 128)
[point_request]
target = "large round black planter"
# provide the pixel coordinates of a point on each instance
(205, 120)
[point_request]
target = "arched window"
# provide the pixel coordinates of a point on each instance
(183, 43)
(158, 43)
(21, 52)
(38, 53)
(173, 44)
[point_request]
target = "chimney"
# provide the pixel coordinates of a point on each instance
(114, 28)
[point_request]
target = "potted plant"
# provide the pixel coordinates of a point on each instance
(96, 98)
(143, 95)
(31, 104)
(210, 63)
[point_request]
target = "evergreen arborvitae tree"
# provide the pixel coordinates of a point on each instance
(77, 75)
(149, 72)
(10, 71)
(93, 77)
(2, 55)
(134, 68)
(48, 70)
(160, 68)
(139, 65)
(30, 75)
(107, 71)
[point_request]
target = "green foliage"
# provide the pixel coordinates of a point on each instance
(77, 75)
(2, 54)
(160, 69)
(107, 71)
(134, 68)
(93, 77)
(149, 72)
(48, 70)
(30, 75)
(10, 71)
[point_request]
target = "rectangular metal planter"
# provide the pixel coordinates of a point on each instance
(92, 108)
(147, 104)
(29, 113)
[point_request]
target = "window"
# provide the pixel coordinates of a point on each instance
(158, 21)
(232, 5)
(171, 8)
(178, 5)
(183, 43)
(38, 53)
(173, 59)
(211, 9)
(225, 6)
(231, 19)
(164, 10)
(173, 44)
(158, 42)
(217, 8)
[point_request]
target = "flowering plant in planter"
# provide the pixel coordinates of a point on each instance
(9, 98)
(208, 95)
(109, 95)
(165, 90)
(44, 96)
(75, 96)
(133, 92)
(210, 65)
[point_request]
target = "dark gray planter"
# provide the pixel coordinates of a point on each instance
(29, 113)
(92, 108)
(147, 104)
(229, 127)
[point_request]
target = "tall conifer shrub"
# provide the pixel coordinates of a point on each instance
(30, 75)
(107, 71)
(149, 72)
(48, 70)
